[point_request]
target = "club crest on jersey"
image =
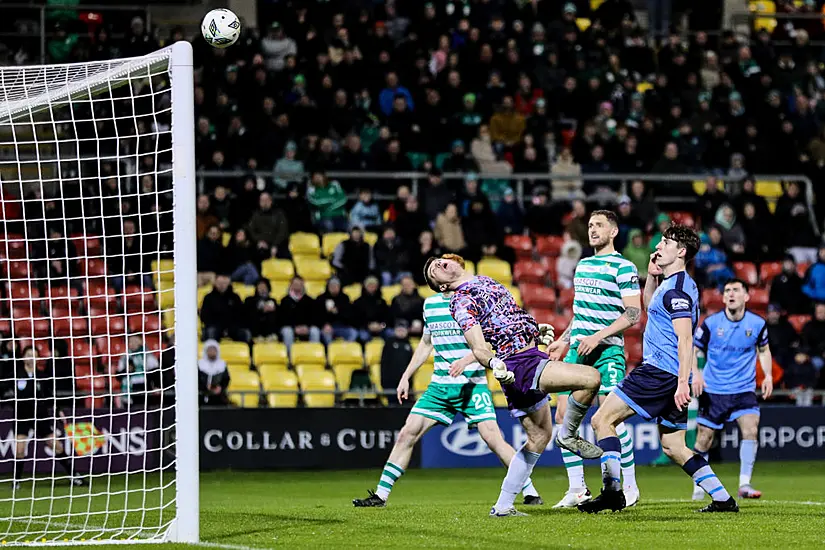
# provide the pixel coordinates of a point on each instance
(720, 332)
(748, 332)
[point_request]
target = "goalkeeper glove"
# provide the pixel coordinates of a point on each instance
(500, 371)
(546, 334)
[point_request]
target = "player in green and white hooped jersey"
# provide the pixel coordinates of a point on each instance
(607, 301)
(446, 396)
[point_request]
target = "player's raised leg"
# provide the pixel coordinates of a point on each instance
(748, 427)
(414, 428)
(694, 465)
(491, 434)
(584, 383)
(538, 426)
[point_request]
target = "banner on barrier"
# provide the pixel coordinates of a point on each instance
(260, 439)
(111, 441)
(786, 433)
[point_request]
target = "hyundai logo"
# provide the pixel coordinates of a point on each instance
(460, 440)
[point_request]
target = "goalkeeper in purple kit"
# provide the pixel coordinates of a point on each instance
(487, 312)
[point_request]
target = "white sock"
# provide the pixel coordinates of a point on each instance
(628, 461)
(517, 475)
(575, 470)
(529, 490)
(747, 458)
(572, 417)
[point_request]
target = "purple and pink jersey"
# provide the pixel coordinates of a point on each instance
(483, 301)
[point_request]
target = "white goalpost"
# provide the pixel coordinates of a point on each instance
(98, 302)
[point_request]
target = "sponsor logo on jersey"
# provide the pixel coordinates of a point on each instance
(679, 304)
(720, 332)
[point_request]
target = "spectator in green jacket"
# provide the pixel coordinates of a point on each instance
(328, 202)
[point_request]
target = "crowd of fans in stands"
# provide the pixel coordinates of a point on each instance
(483, 91)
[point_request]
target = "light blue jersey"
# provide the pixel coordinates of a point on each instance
(730, 348)
(676, 298)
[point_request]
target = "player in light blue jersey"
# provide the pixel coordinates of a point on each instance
(730, 341)
(659, 388)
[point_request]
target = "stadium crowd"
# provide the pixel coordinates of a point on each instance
(485, 91)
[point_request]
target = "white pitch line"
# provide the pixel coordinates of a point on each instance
(760, 501)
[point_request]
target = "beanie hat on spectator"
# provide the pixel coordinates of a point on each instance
(469, 98)
(570, 7)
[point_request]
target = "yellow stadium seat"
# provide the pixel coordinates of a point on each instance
(315, 288)
(594, 4)
(343, 374)
(353, 291)
(373, 350)
(271, 373)
(390, 292)
(202, 292)
(496, 269)
(330, 241)
(286, 384)
(769, 189)
(308, 353)
(414, 342)
(370, 238)
(166, 294)
(237, 368)
(583, 23)
(425, 291)
(244, 388)
(163, 270)
(772, 207)
(700, 186)
(320, 381)
(270, 353)
(345, 353)
(305, 244)
(243, 291)
(301, 370)
(313, 269)
(375, 378)
(421, 378)
(642, 87)
(276, 269)
(169, 319)
(235, 352)
(279, 289)
(469, 267)
(226, 238)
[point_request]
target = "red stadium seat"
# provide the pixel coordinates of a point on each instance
(802, 268)
(70, 326)
(5, 327)
(63, 297)
(87, 247)
(93, 267)
(747, 272)
(799, 321)
(759, 299)
(18, 270)
(529, 272)
(15, 247)
(43, 348)
(683, 218)
(136, 299)
(100, 295)
(28, 328)
(769, 270)
(711, 298)
(521, 244)
(144, 323)
(633, 350)
(566, 297)
(549, 245)
(537, 296)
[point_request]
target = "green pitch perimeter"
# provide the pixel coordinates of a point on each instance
(448, 509)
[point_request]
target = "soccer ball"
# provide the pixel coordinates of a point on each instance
(221, 28)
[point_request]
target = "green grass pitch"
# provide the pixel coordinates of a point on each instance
(448, 509)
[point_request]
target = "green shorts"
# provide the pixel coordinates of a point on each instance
(608, 360)
(441, 402)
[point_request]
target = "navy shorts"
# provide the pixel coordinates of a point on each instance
(649, 392)
(716, 409)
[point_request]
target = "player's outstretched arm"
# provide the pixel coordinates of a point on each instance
(652, 281)
(457, 367)
(683, 326)
(420, 355)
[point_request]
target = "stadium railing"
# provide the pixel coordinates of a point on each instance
(522, 184)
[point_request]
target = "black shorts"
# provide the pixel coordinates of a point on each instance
(717, 409)
(649, 392)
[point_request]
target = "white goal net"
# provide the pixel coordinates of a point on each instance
(98, 408)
